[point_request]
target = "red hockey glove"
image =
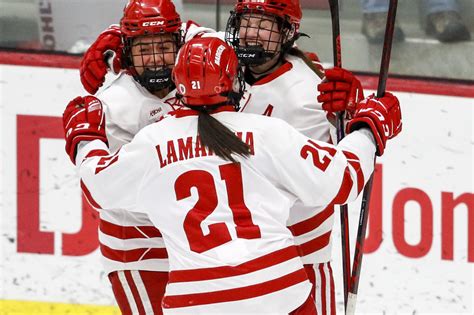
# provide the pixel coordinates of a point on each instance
(340, 91)
(83, 120)
(382, 115)
(93, 65)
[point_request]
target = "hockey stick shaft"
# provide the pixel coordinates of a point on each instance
(387, 47)
(218, 15)
(336, 32)
(344, 213)
(364, 210)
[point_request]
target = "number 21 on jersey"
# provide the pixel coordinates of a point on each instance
(204, 183)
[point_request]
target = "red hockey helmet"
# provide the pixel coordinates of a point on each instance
(144, 17)
(289, 10)
(151, 24)
(207, 73)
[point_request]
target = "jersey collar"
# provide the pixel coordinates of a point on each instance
(285, 67)
(186, 112)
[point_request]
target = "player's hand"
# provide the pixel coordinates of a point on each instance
(382, 115)
(83, 120)
(340, 91)
(94, 63)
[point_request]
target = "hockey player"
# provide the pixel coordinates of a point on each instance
(151, 31)
(220, 184)
(280, 82)
(283, 83)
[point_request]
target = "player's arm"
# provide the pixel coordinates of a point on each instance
(318, 173)
(108, 181)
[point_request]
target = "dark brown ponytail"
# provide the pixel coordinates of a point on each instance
(220, 139)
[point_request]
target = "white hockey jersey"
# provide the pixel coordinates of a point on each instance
(224, 224)
(129, 241)
(290, 93)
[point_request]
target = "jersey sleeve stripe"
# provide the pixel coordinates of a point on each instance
(128, 232)
(315, 244)
(355, 163)
(98, 152)
(89, 197)
(259, 263)
(132, 255)
(236, 294)
(312, 223)
(345, 188)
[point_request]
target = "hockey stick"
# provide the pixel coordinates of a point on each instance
(218, 15)
(364, 210)
(345, 245)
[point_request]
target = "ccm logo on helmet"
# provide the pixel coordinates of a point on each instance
(153, 23)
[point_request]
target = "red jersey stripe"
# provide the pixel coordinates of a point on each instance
(311, 277)
(333, 290)
(355, 163)
(323, 288)
(236, 294)
(135, 293)
(98, 152)
(345, 188)
(312, 223)
(128, 232)
(287, 66)
(89, 197)
(315, 244)
(132, 255)
(259, 263)
(119, 293)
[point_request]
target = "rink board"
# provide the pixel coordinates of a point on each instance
(415, 262)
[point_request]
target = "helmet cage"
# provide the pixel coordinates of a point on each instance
(154, 74)
(255, 51)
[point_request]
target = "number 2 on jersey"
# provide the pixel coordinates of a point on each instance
(207, 202)
(322, 156)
